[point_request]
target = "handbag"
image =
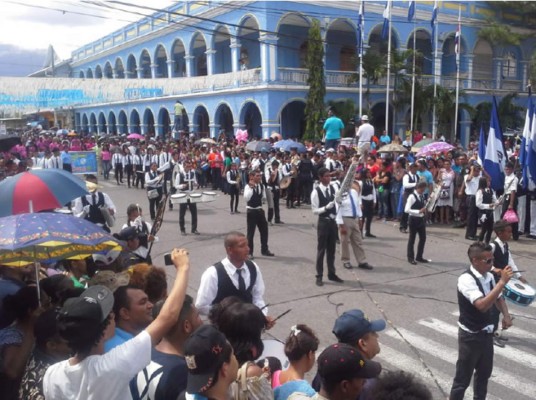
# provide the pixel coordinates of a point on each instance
(444, 194)
(152, 194)
(510, 216)
(252, 388)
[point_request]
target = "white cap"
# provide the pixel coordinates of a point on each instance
(364, 118)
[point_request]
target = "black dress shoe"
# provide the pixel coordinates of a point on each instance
(268, 253)
(413, 262)
(237, 212)
(365, 266)
(183, 233)
(403, 231)
(471, 238)
(423, 260)
(370, 235)
(531, 236)
(279, 222)
(195, 232)
(335, 278)
(319, 282)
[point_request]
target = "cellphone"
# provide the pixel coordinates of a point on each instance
(167, 259)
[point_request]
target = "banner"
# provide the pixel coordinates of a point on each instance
(83, 162)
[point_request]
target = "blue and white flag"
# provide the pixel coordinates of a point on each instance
(433, 23)
(386, 20)
(361, 28)
(411, 11)
(495, 158)
(525, 138)
(531, 155)
(482, 146)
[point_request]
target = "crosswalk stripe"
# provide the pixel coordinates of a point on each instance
(520, 357)
(403, 362)
(512, 331)
(449, 355)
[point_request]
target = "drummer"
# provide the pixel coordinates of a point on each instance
(185, 183)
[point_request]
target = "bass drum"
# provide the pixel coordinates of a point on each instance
(285, 182)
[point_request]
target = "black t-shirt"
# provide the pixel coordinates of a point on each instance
(386, 174)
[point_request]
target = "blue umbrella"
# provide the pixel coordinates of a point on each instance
(287, 144)
(258, 145)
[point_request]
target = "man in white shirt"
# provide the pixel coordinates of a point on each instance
(416, 209)
(477, 293)
(364, 134)
(510, 195)
(86, 322)
(471, 187)
(90, 206)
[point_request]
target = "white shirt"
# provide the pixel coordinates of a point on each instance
(480, 196)
(248, 193)
(510, 184)
(117, 158)
(365, 134)
(78, 207)
(208, 288)
(189, 181)
(345, 208)
(410, 202)
(469, 289)
(54, 162)
(229, 180)
(406, 184)
(471, 186)
(510, 259)
(99, 377)
(315, 202)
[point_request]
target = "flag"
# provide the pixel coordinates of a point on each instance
(531, 154)
(361, 28)
(482, 146)
(495, 156)
(433, 23)
(411, 11)
(525, 138)
(457, 38)
(386, 20)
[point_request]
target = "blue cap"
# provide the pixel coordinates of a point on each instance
(353, 325)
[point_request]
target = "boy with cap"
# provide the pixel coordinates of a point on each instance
(343, 372)
(212, 365)
(87, 321)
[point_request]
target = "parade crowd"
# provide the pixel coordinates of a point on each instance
(110, 326)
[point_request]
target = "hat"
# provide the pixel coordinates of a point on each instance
(319, 153)
(341, 361)
(330, 151)
(127, 234)
(364, 118)
(91, 187)
(110, 279)
(353, 325)
(204, 355)
(92, 307)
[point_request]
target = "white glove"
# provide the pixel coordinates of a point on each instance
(483, 218)
(138, 222)
(86, 209)
(330, 205)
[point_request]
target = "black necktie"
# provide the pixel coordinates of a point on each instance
(94, 198)
(506, 249)
(241, 283)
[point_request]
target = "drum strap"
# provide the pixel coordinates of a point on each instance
(478, 282)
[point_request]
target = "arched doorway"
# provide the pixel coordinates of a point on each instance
(89, 73)
(119, 69)
(145, 65)
(92, 124)
(81, 75)
(148, 121)
(377, 44)
(108, 72)
(98, 72)
(201, 122)
(134, 122)
(132, 67)
(122, 126)
(85, 124)
(101, 128)
(198, 49)
(164, 122)
(222, 45)
(378, 118)
(292, 119)
(160, 60)
(223, 120)
(423, 44)
(341, 46)
(248, 38)
(482, 65)
(251, 120)
(178, 53)
(112, 125)
(448, 60)
(293, 34)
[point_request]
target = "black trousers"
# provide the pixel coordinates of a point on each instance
(257, 219)
(129, 169)
(193, 213)
(274, 211)
(368, 213)
(475, 354)
(327, 234)
(167, 178)
(139, 176)
(118, 172)
(67, 167)
(153, 203)
(472, 216)
(405, 215)
(216, 178)
(417, 225)
(515, 227)
(486, 227)
(305, 187)
(235, 197)
(291, 192)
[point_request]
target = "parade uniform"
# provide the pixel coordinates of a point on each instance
(408, 183)
(417, 225)
(185, 182)
(348, 215)
(234, 190)
(273, 188)
(368, 196)
(117, 165)
(153, 181)
(255, 216)
(485, 199)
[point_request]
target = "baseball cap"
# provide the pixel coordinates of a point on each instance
(127, 234)
(330, 151)
(364, 118)
(341, 361)
(353, 325)
(204, 355)
(110, 279)
(92, 307)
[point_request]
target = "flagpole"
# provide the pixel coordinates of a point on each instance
(413, 76)
(388, 72)
(458, 51)
(434, 118)
(361, 37)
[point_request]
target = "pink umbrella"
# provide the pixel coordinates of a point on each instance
(136, 136)
(434, 148)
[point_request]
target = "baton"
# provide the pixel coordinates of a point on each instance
(282, 315)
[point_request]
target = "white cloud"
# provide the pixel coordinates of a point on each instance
(39, 23)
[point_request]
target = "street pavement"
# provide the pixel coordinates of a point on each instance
(419, 302)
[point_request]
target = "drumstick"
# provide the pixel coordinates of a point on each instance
(282, 315)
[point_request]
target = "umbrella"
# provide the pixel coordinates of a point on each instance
(72, 134)
(258, 145)
(8, 142)
(434, 148)
(60, 132)
(208, 141)
(393, 148)
(287, 144)
(37, 237)
(276, 135)
(421, 143)
(37, 190)
(135, 136)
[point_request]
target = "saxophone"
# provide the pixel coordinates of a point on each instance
(347, 182)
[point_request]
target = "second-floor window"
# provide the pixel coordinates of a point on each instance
(509, 67)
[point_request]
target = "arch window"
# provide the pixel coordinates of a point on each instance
(509, 66)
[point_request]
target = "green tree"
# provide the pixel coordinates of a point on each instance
(345, 110)
(499, 35)
(314, 106)
(509, 113)
(445, 102)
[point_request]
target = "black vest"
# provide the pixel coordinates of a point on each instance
(226, 288)
(143, 233)
(183, 180)
(323, 201)
(276, 181)
(470, 316)
(95, 214)
(366, 190)
(411, 179)
(419, 204)
(262, 164)
(256, 199)
(305, 168)
(487, 198)
(500, 259)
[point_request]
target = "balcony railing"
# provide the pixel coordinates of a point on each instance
(296, 76)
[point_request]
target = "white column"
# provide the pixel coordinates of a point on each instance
(497, 62)
(210, 61)
(153, 70)
(469, 58)
(140, 72)
(235, 55)
(170, 64)
(189, 61)
(269, 65)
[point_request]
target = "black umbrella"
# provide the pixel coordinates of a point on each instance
(8, 142)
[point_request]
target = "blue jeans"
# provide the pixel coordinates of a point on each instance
(384, 205)
(332, 144)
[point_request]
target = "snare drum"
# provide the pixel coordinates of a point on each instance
(63, 211)
(518, 292)
(208, 196)
(195, 197)
(178, 198)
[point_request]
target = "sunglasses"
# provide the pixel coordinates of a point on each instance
(488, 261)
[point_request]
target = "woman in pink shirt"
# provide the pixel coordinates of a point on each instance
(106, 158)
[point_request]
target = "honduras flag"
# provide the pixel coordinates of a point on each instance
(495, 156)
(531, 155)
(361, 28)
(411, 11)
(433, 23)
(525, 140)
(386, 20)
(482, 146)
